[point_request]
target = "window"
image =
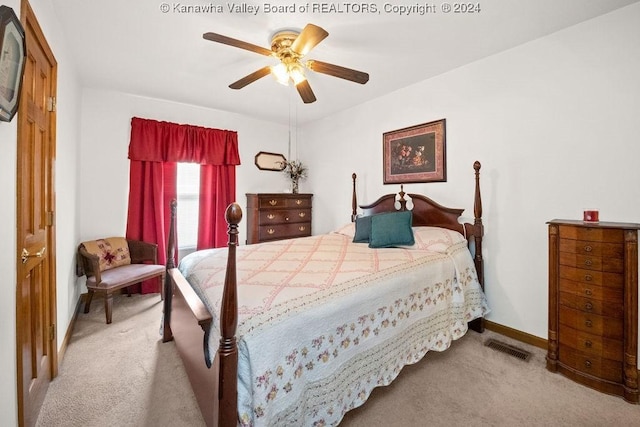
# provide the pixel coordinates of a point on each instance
(188, 187)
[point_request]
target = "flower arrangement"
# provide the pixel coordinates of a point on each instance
(295, 171)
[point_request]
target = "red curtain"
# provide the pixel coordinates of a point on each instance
(154, 149)
(170, 142)
(214, 199)
(152, 187)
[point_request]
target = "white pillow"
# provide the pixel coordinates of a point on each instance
(435, 239)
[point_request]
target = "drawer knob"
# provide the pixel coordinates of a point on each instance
(298, 202)
(588, 277)
(588, 292)
(302, 228)
(270, 231)
(587, 363)
(588, 306)
(302, 214)
(286, 219)
(588, 344)
(588, 262)
(588, 323)
(588, 248)
(271, 216)
(273, 202)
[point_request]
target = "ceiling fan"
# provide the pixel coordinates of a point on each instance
(290, 47)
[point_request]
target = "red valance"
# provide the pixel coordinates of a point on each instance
(155, 141)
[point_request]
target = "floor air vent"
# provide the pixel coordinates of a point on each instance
(508, 349)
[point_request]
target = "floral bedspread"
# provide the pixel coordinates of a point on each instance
(323, 321)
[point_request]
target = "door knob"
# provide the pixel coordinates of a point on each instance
(26, 255)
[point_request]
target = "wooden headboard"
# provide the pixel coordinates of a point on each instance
(427, 212)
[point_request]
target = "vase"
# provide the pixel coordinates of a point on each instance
(294, 186)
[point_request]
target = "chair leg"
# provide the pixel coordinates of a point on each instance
(87, 303)
(108, 303)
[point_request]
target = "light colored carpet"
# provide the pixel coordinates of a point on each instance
(120, 374)
(123, 375)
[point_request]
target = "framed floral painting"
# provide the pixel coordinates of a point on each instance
(415, 154)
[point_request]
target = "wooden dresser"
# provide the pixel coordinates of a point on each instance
(593, 305)
(277, 216)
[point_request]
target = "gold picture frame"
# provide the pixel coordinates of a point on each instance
(415, 154)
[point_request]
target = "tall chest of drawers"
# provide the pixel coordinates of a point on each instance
(277, 216)
(593, 305)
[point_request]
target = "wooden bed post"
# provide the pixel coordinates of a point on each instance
(228, 349)
(354, 199)
(167, 335)
(479, 228)
(478, 324)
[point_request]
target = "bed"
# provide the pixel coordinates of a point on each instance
(300, 331)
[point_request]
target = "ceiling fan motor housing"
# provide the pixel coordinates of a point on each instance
(281, 44)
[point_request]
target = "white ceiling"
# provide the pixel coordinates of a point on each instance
(133, 47)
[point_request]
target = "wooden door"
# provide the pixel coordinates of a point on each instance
(35, 288)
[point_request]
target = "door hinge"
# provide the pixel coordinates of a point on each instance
(52, 332)
(50, 218)
(51, 104)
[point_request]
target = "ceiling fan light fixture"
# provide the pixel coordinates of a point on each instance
(280, 73)
(285, 72)
(297, 73)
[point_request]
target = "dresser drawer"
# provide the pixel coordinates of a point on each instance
(596, 249)
(280, 216)
(591, 234)
(589, 262)
(598, 278)
(606, 369)
(284, 231)
(284, 202)
(593, 306)
(608, 327)
(592, 345)
(589, 290)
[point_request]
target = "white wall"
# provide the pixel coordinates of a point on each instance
(67, 133)
(104, 166)
(554, 123)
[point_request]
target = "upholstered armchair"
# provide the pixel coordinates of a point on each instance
(114, 263)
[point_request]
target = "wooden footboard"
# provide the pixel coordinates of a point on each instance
(188, 319)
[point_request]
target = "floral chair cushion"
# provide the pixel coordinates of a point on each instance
(112, 252)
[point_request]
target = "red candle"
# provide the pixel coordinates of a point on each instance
(591, 215)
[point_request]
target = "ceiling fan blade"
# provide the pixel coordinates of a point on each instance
(310, 36)
(237, 43)
(338, 71)
(250, 78)
(304, 89)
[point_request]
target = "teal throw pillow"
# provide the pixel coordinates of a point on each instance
(363, 229)
(391, 229)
